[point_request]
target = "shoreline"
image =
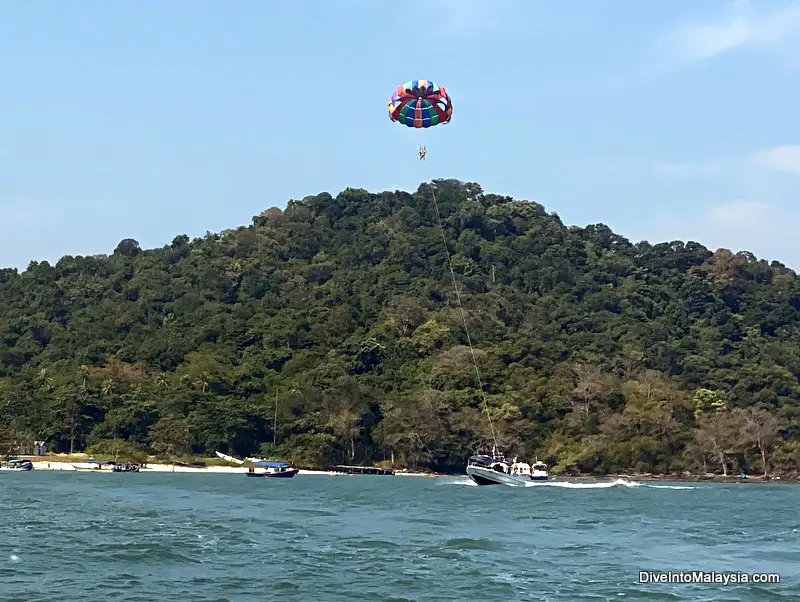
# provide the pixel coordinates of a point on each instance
(62, 463)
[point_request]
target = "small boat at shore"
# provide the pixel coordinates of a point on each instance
(275, 470)
(359, 470)
(228, 458)
(17, 465)
(106, 466)
(93, 465)
(124, 467)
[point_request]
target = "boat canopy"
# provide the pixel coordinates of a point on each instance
(484, 459)
(268, 464)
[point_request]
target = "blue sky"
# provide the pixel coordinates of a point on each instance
(148, 119)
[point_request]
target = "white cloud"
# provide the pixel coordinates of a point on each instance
(700, 168)
(764, 229)
(741, 214)
(459, 18)
(18, 214)
(782, 158)
(764, 220)
(700, 41)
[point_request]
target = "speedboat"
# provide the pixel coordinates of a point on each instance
(17, 465)
(496, 470)
(279, 470)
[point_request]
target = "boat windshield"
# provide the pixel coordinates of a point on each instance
(481, 460)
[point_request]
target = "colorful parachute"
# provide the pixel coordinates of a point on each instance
(420, 103)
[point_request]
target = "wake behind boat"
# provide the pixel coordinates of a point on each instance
(496, 470)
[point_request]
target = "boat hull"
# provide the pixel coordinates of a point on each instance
(489, 476)
(284, 474)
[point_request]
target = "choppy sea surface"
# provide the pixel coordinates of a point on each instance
(145, 537)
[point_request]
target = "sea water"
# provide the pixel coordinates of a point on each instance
(144, 537)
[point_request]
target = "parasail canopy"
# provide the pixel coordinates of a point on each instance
(420, 103)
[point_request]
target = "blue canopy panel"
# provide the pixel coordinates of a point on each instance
(267, 464)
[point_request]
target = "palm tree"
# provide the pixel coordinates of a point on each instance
(345, 424)
(292, 390)
(44, 380)
(162, 381)
(109, 386)
(202, 382)
(83, 374)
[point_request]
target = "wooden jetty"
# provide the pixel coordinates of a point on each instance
(344, 469)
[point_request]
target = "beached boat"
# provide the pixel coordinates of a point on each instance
(354, 470)
(276, 470)
(228, 458)
(236, 460)
(124, 467)
(93, 465)
(17, 465)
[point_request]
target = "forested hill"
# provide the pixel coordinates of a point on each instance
(597, 355)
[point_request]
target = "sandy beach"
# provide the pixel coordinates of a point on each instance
(62, 463)
(67, 463)
(44, 465)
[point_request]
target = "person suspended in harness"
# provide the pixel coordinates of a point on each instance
(422, 152)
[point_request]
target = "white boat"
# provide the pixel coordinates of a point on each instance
(228, 458)
(496, 470)
(539, 471)
(94, 465)
(17, 465)
(235, 460)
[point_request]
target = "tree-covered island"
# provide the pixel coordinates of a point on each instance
(329, 332)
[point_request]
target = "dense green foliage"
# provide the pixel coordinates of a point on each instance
(596, 355)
